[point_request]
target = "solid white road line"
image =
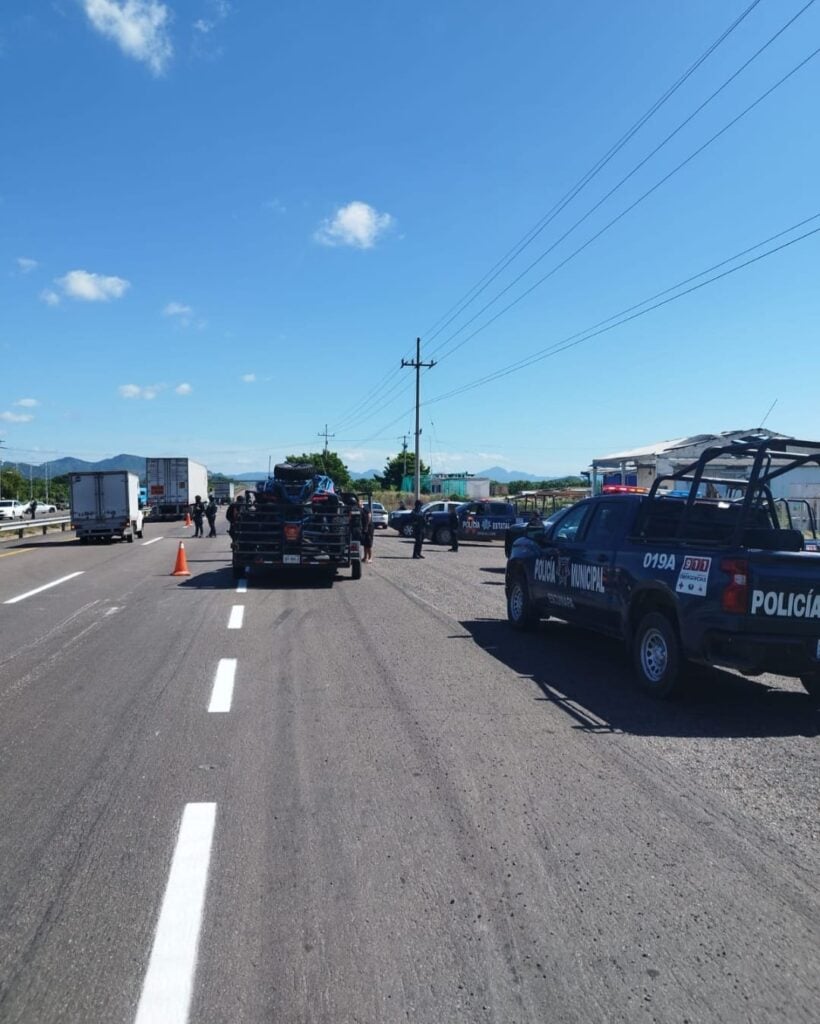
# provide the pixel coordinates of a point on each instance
(222, 693)
(169, 980)
(237, 615)
(242, 587)
(145, 543)
(47, 586)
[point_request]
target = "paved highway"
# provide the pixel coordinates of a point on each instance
(375, 803)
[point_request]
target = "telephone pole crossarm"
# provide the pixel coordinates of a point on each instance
(325, 435)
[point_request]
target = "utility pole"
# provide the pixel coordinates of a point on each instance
(325, 435)
(417, 365)
(1, 470)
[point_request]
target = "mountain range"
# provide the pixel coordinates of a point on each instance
(136, 464)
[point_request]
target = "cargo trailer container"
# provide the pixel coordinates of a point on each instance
(173, 484)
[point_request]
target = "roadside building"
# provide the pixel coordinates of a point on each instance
(640, 466)
(465, 485)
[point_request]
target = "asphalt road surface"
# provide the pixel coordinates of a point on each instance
(375, 803)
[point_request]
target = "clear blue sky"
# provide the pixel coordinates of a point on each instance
(223, 223)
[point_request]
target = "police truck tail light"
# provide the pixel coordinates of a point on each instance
(735, 597)
(292, 532)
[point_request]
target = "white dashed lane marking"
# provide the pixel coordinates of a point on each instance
(169, 980)
(236, 617)
(46, 586)
(242, 587)
(145, 543)
(222, 693)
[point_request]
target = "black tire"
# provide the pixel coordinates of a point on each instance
(238, 570)
(657, 656)
(407, 530)
(520, 611)
(356, 569)
(130, 538)
(443, 535)
(139, 534)
(811, 683)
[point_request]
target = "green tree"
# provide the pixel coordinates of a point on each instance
(329, 463)
(11, 483)
(394, 471)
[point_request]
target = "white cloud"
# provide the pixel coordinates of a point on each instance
(51, 298)
(135, 391)
(138, 27)
(177, 309)
(16, 417)
(275, 206)
(183, 389)
(27, 403)
(25, 264)
(248, 378)
(80, 284)
(356, 224)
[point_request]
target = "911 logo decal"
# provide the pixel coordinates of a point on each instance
(694, 576)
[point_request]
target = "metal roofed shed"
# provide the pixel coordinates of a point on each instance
(640, 466)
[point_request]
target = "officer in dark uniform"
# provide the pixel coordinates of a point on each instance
(418, 530)
(232, 514)
(454, 524)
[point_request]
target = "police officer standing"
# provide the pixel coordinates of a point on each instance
(454, 525)
(418, 530)
(198, 514)
(232, 514)
(210, 515)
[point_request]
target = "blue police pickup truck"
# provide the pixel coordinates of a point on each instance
(477, 520)
(712, 577)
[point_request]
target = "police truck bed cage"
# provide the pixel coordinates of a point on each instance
(728, 510)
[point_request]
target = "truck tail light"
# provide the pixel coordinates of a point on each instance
(292, 531)
(735, 596)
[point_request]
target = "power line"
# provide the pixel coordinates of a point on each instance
(625, 316)
(497, 270)
(557, 208)
(615, 219)
(620, 318)
(350, 416)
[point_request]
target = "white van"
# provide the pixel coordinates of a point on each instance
(11, 509)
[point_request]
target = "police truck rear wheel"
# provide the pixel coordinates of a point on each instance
(443, 535)
(356, 570)
(520, 612)
(657, 655)
(407, 530)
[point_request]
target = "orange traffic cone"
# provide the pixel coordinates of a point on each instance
(188, 520)
(181, 568)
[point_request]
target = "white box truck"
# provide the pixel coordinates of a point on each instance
(172, 486)
(105, 505)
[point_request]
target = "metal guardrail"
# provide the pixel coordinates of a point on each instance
(19, 526)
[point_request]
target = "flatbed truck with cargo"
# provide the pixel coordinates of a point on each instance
(296, 522)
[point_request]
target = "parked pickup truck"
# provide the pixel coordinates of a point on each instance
(401, 519)
(713, 580)
(478, 520)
